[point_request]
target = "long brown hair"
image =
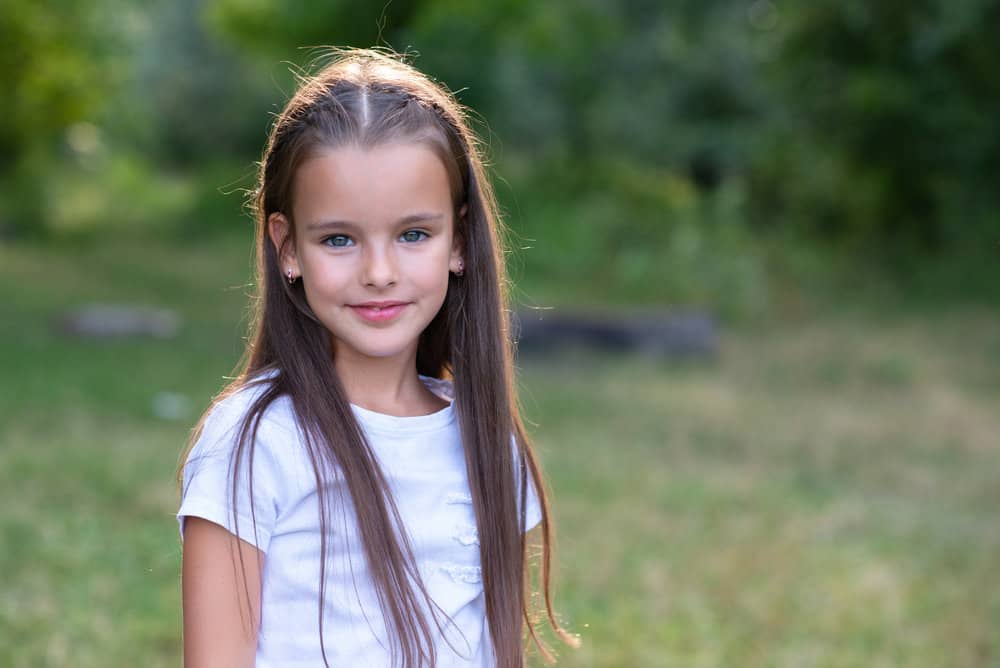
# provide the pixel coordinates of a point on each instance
(367, 98)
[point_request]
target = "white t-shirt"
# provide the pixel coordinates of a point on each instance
(424, 465)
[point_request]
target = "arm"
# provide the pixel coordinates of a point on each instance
(216, 628)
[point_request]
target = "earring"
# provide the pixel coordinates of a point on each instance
(291, 280)
(461, 268)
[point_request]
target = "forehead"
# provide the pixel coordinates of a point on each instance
(370, 185)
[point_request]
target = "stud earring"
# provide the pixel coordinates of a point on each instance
(461, 268)
(291, 280)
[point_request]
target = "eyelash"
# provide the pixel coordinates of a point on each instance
(423, 235)
(328, 240)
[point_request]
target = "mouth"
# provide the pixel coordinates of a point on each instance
(379, 311)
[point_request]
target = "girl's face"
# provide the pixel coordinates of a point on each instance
(374, 243)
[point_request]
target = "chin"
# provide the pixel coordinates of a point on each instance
(379, 352)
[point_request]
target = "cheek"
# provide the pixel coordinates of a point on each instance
(324, 278)
(427, 266)
(434, 275)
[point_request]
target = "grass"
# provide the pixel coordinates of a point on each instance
(820, 496)
(824, 493)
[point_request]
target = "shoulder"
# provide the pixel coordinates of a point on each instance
(230, 414)
(239, 471)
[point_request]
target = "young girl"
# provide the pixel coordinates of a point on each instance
(359, 495)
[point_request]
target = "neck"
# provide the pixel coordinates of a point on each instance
(388, 385)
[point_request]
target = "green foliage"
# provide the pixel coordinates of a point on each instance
(191, 97)
(57, 66)
(278, 28)
(889, 135)
(695, 139)
(612, 232)
(58, 63)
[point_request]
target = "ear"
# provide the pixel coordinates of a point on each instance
(456, 263)
(279, 229)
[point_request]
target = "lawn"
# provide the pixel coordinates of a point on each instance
(824, 493)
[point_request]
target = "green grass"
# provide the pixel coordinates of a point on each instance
(822, 494)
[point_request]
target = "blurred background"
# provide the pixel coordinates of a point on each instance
(768, 232)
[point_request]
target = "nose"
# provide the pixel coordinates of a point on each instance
(379, 268)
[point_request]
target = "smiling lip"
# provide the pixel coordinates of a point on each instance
(379, 311)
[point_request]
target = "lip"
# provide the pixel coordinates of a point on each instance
(379, 311)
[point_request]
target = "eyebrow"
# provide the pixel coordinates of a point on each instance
(405, 220)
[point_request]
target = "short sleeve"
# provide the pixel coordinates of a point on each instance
(207, 489)
(532, 510)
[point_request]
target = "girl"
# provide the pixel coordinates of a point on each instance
(359, 495)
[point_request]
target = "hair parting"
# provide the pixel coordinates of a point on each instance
(368, 98)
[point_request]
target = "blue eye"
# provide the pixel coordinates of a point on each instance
(413, 235)
(338, 241)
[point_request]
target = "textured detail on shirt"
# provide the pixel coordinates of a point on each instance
(457, 498)
(467, 534)
(462, 573)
